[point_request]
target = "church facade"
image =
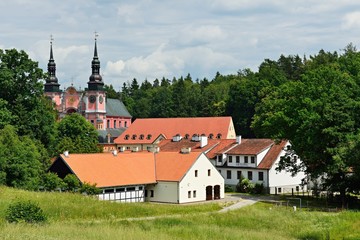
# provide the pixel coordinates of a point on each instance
(109, 116)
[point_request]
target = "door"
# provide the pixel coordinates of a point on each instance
(209, 191)
(217, 192)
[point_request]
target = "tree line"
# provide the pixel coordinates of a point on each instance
(312, 101)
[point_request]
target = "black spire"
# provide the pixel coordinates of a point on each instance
(51, 84)
(95, 80)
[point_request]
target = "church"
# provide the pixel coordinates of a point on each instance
(109, 116)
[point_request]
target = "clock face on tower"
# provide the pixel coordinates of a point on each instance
(92, 98)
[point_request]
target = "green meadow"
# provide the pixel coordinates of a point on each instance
(72, 216)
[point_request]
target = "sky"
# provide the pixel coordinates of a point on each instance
(149, 39)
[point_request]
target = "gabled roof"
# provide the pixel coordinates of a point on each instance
(272, 155)
(108, 170)
(172, 166)
(251, 146)
(211, 149)
(170, 127)
(116, 108)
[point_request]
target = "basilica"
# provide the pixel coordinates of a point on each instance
(109, 116)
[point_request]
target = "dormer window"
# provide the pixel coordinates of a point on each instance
(148, 137)
(211, 136)
(134, 137)
(186, 136)
(141, 137)
(127, 137)
(218, 136)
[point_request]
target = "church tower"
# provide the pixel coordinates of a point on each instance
(52, 87)
(95, 97)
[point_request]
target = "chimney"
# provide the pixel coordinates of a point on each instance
(115, 152)
(66, 153)
(238, 139)
(176, 138)
(203, 141)
(185, 150)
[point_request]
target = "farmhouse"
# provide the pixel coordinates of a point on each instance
(171, 177)
(144, 134)
(256, 160)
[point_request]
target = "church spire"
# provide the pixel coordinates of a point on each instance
(51, 84)
(95, 80)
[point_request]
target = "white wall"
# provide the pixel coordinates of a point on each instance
(163, 192)
(198, 184)
(244, 171)
(123, 194)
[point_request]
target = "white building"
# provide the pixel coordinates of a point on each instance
(256, 160)
(173, 177)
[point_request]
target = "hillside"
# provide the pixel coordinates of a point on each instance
(73, 216)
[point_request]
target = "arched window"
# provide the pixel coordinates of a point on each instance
(211, 136)
(218, 136)
(141, 137)
(127, 137)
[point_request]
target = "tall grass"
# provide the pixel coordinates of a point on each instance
(198, 221)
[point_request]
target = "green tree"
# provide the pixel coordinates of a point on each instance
(76, 135)
(318, 114)
(22, 89)
(20, 160)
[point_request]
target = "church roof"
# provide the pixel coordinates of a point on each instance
(116, 108)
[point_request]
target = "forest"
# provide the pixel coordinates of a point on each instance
(311, 100)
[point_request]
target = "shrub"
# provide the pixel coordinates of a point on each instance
(51, 182)
(229, 188)
(25, 211)
(244, 186)
(72, 183)
(258, 188)
(89, 189)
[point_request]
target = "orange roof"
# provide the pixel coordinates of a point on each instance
(172, 166)
(211, 149)
(251, 146)
(107, 170)
(146, 130)
(272, 155)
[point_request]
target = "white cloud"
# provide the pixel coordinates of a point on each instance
(351, 20)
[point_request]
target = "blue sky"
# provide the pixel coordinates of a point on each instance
(149, 39)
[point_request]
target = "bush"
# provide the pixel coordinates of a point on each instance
(244, 186)
(51, 182)
(72, 183)
(25, 211)
(89, 189)
(229, 188)
(258, 188)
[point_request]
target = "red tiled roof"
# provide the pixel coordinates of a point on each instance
(172, 166)
(272, 155)
(107, 170)
(170, 127)
(251, 146)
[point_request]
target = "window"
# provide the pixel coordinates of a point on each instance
(111, 190)
(218, 136)
(246, 159)
(92, 121)
(196, 173)
(141, 137)
(261, 176)
(120, 190)
(237, 159)
(219, 171)
(130, 189)
(125, 124)
(114, 123)
(148, 137)
(209, 172)
(186, 136)
(238, 174)
(230, 159)
(279, 190)
(127, 137)
(141, 188)
(250, 177)
(211, 136)
(146, 193)
(252, 159)
(119, 124)
(194, 194)
(151, 193)
(133, 136)
(108, 123)
(228, 174)
(219, 158)
(189, 194)
(297, 188)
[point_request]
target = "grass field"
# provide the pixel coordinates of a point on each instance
(76, 217)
